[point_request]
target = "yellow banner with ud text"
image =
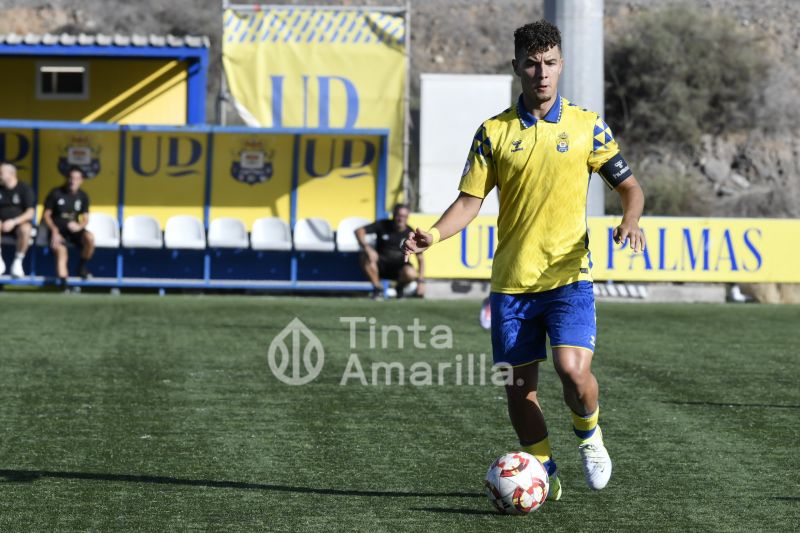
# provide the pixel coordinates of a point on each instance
(323, 69)
(165, 174)
(678, 249)
(207, 173)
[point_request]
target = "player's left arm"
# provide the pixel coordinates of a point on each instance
(606, 160)
(83, 219)
(29, 211)
(11, 223)
(26, 216)
(632, 196)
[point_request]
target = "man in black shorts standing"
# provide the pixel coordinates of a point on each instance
(66, 213)
(16, 215)
(386, 260)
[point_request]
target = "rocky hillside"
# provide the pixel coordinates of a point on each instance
(753, 172)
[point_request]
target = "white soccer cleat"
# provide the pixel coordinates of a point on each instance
(555, 488)
(16, 269)
(596, 461)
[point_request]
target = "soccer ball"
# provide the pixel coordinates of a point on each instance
(517, 483)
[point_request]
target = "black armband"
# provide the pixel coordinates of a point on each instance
(615, 171)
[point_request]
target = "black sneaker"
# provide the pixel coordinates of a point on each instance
(401, 290)
(376, 294)
(84, 273)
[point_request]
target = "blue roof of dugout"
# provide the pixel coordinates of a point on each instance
(104, 45)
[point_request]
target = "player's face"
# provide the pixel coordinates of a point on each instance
(538, 73)
(74, 181)
(7, 175)
(401, 219)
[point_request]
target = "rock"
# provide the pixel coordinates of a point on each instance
(790, 293)
(739, 180)
(765, 293)
(715, 169)
(773, 293)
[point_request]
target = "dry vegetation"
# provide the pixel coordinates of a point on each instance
(748, 165)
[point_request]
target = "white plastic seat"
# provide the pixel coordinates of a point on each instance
(184, 232)
(345, 234)
(270, 233)
(141, 231)
(227, 233)
(313, 235)
(105, 230)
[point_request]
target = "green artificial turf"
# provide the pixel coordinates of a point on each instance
(149, 413)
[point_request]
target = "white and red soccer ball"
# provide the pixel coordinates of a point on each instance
(517, 483)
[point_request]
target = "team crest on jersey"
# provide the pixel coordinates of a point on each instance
(253, 163)
(15, 199)
(80, 153)
(563, 142)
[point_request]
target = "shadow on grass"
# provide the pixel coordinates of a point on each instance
(28, 476)
(454, 511)
(729, 404)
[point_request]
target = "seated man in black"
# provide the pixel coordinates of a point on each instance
(16, 215)
(386, 259)
(66, 213)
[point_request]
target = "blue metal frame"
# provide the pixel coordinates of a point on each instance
(207, 204)
(197, 59)
(178, 52)
(192, 128)
(293, 283)
(35, 186)
(123, 142)
(380, 201)
(293, 203)
(194, 284)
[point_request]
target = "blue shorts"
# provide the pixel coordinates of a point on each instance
(521, 321)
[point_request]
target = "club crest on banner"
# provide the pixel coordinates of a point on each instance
(79, 153)
(253, 163)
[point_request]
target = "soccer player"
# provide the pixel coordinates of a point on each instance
(66, 213)
(540, 154)
(16, 215)
(385, 260)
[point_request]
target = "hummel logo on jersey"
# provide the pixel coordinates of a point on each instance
(619, 164)
(517, 146)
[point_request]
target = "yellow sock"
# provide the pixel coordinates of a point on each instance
(541, 450)
(585, 426)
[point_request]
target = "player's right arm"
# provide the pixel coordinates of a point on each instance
(460, 213)
(361, 237)
(477, 180)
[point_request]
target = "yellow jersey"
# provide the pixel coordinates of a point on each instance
(541, 169)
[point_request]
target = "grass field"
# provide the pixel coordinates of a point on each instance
(148, 413)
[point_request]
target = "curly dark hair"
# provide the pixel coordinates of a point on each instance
(76, 168)
(536, 37)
